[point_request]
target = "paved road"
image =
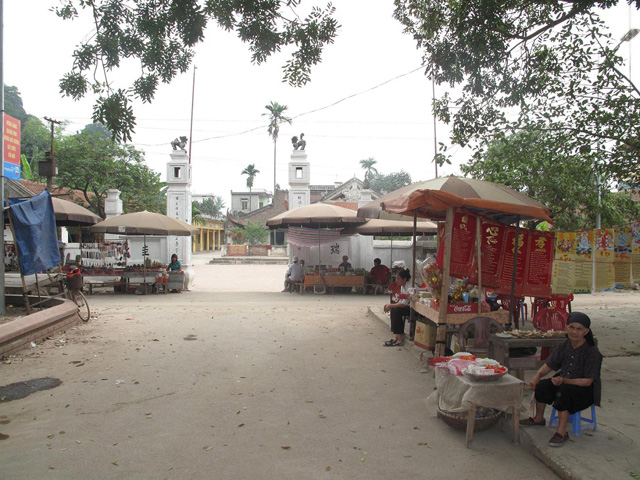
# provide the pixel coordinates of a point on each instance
(234, 380)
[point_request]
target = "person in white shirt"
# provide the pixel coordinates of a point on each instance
(295, 274)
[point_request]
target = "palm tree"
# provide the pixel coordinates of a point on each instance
(276, 117)
(251, 173)
(368, 165)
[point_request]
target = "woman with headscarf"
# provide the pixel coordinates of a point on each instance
(399, 310)
(576, 385)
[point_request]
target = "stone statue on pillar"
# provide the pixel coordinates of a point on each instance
(179, 143)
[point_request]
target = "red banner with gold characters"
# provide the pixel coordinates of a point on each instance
(11, 152)
(492, 237)
(463, 244)
(508, 258)
(539, 263)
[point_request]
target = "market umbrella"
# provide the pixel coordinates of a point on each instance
(71, 214)
(382, 227)
(145, 223)
(430, 199)
(391, 227)
(316, 215)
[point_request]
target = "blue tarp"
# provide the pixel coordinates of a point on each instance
(34, 223)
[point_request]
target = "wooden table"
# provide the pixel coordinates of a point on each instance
(499, 350)
(332, 281)
(457, 393)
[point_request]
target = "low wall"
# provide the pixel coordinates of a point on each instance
(17, 334)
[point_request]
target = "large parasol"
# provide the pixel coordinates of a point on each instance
(145, 223)
(391, 227)
(316, 215)
(70, 214)
(430, 199)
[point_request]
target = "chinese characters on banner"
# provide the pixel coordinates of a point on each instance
(11, 147)
(604, 258)
(464, 239)
(635, 251)
(622, 257)
(537, 278)
(583, 257)
(534, 262)
(564, 264)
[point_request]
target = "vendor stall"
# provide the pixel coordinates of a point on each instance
(477, 215)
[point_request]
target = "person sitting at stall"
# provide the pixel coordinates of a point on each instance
(576, 385)
(379, 275)
(399, 309)
(175, 265)
(295, 274)
(345, 266)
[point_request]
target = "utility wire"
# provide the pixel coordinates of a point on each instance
(299, 115)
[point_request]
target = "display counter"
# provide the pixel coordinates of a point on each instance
(501, 316)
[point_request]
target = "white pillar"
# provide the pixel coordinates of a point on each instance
(299, 180)
(179, 206)
(112, 208)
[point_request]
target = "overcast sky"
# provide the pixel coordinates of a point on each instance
(363, 101)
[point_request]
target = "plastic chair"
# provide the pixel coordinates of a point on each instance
(576, 420)
(482, 329)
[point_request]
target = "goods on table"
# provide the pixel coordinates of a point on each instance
(481, 369)
(536, 333)
(484, 370)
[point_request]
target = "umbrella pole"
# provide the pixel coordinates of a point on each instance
(441, 331)
(391, 253)
(144, 262)
(412, 315)
(516, 245)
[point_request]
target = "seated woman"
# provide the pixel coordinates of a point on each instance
(576, 386)
(175, 265)
(399, 310)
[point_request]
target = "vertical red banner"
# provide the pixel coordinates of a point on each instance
(11, 129)
(508, 257)
(539, 264)
(463, 243)
(492, 238)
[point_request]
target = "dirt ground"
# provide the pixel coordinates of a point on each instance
(235, 380)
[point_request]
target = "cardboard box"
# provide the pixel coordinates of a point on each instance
(425, 335)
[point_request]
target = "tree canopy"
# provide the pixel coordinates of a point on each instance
(530, 162)
(388, 183)
(548, 65)
(211, 206)
(161, 35)
(93, 164)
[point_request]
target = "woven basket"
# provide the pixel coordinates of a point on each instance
(485, 419)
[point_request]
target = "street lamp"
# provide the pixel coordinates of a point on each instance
(627, 37)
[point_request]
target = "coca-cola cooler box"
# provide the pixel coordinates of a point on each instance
(457, 307)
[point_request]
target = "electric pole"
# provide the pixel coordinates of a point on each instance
(49, 170)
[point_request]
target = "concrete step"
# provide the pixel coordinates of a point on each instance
(249, 260)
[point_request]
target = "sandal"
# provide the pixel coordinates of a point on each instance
(390, 343)
(527, 422)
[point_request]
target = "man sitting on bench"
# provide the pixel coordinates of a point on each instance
(295, 274)
(379, 276)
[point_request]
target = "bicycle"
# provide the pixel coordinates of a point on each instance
(73, 284)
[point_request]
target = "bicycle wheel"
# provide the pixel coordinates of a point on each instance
(83, 306)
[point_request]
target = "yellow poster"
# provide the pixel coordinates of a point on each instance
(635, 251)
(622, 262)
(583, 258)
(563, 274)
(604, 259)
